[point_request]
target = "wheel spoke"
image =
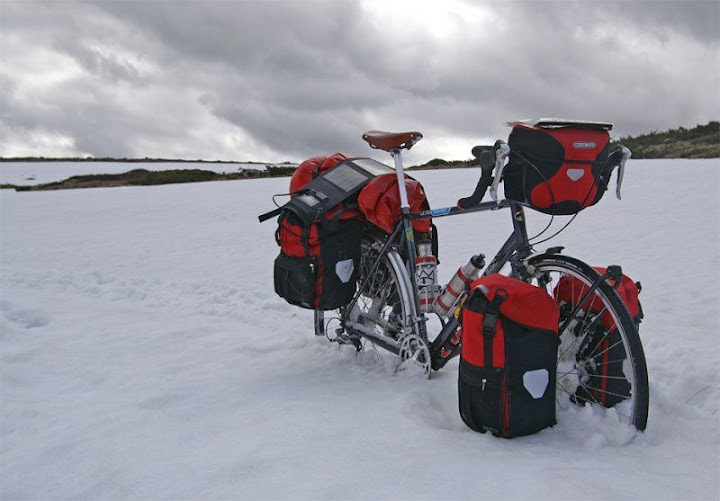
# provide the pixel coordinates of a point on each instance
(624, 397)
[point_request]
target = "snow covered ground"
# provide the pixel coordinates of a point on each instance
(31, 173)
(145, 355)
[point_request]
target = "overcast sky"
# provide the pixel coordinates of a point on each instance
(274, 81)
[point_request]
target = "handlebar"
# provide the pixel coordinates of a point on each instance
(626, 154)
(494, 159)
(490, 159)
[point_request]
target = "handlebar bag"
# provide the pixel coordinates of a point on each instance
(318, 263)
(559, 170)
(379, 201)
(600, 339)
(508, 361)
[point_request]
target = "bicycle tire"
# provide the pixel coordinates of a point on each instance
(635, 408)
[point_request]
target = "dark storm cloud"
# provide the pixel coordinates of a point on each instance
(293, 79)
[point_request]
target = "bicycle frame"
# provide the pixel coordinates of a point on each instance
(515, 249)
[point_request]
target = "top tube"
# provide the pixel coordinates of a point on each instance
(454, 211)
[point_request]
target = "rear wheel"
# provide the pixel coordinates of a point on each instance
(600, 359)
(384, 307)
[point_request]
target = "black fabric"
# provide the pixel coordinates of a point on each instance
(479, 396)
(542, 150)
(529, 350)
(317, 274)
(340, 243)
(496, 399)
(295, 279)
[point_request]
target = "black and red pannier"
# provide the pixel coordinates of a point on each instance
(320, 254)
(318, 263)
(508, 364)
(606, 382)
(558, 169)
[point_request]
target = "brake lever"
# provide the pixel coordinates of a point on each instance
(502, 150)
(626, 153)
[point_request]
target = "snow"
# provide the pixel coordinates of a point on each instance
(32, 173)
(145, 355)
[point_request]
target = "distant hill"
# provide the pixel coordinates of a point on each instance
(143, 177)
(702, 141)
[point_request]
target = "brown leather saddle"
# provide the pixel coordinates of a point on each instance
(389, 141)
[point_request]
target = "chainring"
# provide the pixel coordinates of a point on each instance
(414, 352)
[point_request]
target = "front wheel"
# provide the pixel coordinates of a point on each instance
(600, 359)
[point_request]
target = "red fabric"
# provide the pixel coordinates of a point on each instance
(311, 168)
(571, 290)
(290, 237)
(379, 201)
(561, 187)
(473, 345)
(524, 304)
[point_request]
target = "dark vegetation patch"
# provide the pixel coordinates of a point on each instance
(142, 177)
(702, 141)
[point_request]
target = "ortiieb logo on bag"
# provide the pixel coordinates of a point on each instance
(344, 270)
(575, 174)
(536, 382)
(584, 145)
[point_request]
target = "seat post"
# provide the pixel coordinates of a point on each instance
(397, 156)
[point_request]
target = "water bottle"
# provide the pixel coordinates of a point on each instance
(456, 285)
(426, 275)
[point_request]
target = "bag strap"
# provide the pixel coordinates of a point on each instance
(305, 238)
(479, 303)
(270, 215)
(492, 310)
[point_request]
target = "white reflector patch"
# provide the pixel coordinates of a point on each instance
(344, 270)
(575, 174)
(536, 382)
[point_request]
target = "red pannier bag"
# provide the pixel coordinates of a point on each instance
(508, 362)
(607, 384)
(312, 168)
(559, 170)
(318, 263)
(379, 201)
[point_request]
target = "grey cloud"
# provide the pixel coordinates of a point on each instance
(303, 78)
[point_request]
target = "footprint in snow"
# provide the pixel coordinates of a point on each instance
(24, 317)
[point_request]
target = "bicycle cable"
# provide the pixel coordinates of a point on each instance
(539, 172)
(582, 204)
(279, 195)
(552, 216)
